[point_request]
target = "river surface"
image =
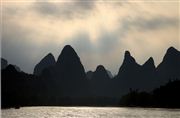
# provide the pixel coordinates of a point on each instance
(89, 112)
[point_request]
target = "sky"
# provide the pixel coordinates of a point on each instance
(100, 31)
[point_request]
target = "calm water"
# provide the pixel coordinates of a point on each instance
(89, 112)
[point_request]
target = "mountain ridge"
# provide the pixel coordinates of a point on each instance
(65, 82)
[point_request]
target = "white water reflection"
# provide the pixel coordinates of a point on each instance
(89, 112)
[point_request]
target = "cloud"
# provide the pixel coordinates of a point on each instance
(99, 31)
(155, 23)
(109, 40)
(65, 9)
(148, 24)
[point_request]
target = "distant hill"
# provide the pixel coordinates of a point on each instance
(129, 72)
(64, 82)
(67, 77)
(18, 88)
(47, 61)
(169, 68)
(164, 96)
(100, 82)
(4, 63)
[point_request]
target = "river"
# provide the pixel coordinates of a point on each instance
(89, 112)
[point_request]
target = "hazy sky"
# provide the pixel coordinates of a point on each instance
(99, 31)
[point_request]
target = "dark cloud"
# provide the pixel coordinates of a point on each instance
(85, 4)
(46, 8)
(155, 23)
(65, 10)
(19, 48)
(109, 40)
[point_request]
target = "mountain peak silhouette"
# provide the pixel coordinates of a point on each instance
(49, 55)
(128, 58)
(100, 68)
(171, 53)
(10, 68)
(127, 53)
(67, 53)
(171, 49)
(129, 65)
(100, 80)
(169, 68)
(128, 62)
(89, 74)
(4, 63)
(149, 63)
(151, 59)
(69, 64)
(47, 61)
(100, 73)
